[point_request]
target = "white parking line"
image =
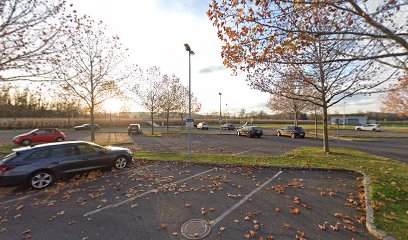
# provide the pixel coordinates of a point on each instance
(43, 192)
(143, 194)
(250, 150)
(222, 216)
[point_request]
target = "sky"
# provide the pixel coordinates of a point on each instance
(155, 31)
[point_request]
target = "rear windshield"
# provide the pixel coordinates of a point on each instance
(298, 128)
(257, 128)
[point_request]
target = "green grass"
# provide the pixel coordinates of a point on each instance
(5, 148)
(389, 177)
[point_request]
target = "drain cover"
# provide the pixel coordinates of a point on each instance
(195, 229)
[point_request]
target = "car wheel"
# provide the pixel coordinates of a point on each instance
(302, 137)
(292, 135)
(26, 142)
(374, 130)
(239, 134)
(59, 139)
(41, 179)
(279, 134)
(120, 163)
(248, 135)
(358, 129)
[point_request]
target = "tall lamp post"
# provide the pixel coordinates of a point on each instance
(190, 52)
(220, 113)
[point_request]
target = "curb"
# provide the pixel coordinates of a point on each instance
(366, 181)
(370, 212)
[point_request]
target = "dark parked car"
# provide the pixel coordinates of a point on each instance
(291, 131)
(250, 131)
(40, 166)
(43, 135)
(134, 129)
(87, 126)
(228, 126)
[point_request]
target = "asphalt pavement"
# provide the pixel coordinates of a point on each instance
(155, 199)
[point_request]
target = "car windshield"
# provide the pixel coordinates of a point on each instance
(32, 131)
(257, 128)
(298, 128)
(96, 145)
(10, 157)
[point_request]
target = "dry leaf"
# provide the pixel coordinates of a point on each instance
(222, 229)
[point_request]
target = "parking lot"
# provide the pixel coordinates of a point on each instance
(153, 200)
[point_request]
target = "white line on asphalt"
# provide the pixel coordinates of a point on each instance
(222, 216)
(43, 192)
(143, 194)
(245, 151)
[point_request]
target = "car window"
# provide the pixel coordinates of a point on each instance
(89, 149)
(41, 131)
(299, 128)
(41, 154)
(50, 131)
(10, 157)
(257, 128)
(63, 151)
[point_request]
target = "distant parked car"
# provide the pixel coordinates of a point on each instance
(40, 166)
(228, 126)
(87, 126)
(250, 131)
(134, 129)
(292, 131)
(43, 135)
(202, 125)
(369, 127)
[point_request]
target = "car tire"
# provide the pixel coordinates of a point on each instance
(59, 139)
(41, 179)
(358, 129)
(239, 134)
(120, 163)
(279, 134)
(248, 135)
(302, 136)
(292, 135)
(26, 142)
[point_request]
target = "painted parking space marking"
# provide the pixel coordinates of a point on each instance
(43, 192)
(144, 194)
(226, 213)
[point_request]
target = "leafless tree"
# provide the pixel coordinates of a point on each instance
(149, 90)
(280, 103)
(182, 103)
(170, 95)
(91, 67)
(30, 35)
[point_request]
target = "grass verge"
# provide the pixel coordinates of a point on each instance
(389, 178)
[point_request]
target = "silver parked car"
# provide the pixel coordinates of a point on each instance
(369, 127)
(202, 125)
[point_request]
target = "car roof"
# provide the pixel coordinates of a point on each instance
(67, 143)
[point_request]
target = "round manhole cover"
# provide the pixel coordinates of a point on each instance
(195, 229)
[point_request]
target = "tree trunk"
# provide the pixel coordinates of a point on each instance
(151, 117)
(325, 130)
(92, 123)
(315, 123)
(167, 120)
(296, 119)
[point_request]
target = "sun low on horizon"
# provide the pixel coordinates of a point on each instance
(113, 105)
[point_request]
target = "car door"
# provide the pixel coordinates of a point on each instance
(64, 159)
(38, 136)
(49, 135)
(93, 157)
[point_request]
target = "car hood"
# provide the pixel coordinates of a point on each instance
(112, 148)
(21, 135)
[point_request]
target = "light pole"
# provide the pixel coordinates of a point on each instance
(220, 107)
(225, 114)
(190, 52)
(220, 113)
